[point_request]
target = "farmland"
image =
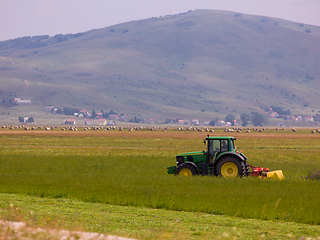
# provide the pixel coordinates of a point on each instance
(116, 183)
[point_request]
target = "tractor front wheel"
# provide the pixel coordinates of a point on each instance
(230, 167)
(186, 170)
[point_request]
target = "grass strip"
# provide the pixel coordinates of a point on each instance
(143, 223)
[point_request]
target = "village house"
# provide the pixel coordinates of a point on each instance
(19, 101)
(221, 123)
(308, 119)
(149, 121)
(113, 117)
(195, 122)
(70, 121)
(274, 115)
(82, 114)
(235, 123)
(102, 121)
(99, 115)
(180, 121)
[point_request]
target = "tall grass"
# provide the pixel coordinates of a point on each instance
(122, 171)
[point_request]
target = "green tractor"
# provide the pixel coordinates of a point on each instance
(220, 159)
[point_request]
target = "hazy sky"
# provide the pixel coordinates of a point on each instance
(19, 18)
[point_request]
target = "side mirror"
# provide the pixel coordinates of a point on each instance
(204, 142)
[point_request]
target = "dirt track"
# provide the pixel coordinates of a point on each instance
(20, 230)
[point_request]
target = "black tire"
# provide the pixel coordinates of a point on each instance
(186, 170)
(247, 169)
(230, 167)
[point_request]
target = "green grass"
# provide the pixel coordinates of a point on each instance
(131, 171)
(143, 223)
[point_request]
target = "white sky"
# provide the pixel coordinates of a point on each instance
(19, 18)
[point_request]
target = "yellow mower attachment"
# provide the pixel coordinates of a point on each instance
(275, 174)
(265, 173)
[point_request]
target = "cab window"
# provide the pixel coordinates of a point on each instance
(224, 145)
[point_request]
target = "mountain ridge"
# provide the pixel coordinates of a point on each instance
(203, 63)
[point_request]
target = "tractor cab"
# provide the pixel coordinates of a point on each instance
(216, 146)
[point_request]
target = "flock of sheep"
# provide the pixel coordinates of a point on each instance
(130, 129)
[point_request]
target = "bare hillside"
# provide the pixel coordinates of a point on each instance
(202, 64)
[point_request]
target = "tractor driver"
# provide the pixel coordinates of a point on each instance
(224, 146)
(214, 148)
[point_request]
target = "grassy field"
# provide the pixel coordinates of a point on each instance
(116, 182)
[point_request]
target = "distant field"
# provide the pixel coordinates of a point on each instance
(129, 169)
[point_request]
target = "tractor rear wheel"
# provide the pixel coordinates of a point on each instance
(186, 170)
(246, 165)
(230, 167)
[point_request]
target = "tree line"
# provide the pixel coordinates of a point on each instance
(257, 119)
(75, 111)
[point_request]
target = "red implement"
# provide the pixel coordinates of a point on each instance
(259, 171)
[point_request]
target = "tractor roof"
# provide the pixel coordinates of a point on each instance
(220, 137)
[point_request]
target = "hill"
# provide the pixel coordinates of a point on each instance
(200, 64)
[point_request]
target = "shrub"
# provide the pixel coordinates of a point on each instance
(313, 175)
